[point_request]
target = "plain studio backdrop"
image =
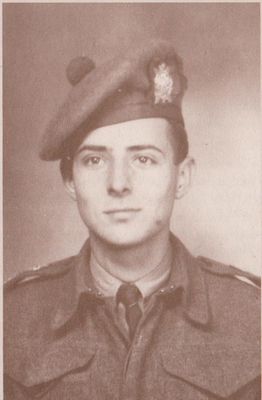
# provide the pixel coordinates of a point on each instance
(219, 43)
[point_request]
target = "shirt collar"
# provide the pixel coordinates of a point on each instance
(108, 284)
(186, 275)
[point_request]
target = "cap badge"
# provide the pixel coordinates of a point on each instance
(163, 84)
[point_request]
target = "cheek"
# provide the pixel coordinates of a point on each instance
(86, 194)
(160, 189)
(163, 205)
(87, 185)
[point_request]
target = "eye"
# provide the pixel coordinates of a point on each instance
(93, 161)
(144, 161)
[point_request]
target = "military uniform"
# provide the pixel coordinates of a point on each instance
(198, 338)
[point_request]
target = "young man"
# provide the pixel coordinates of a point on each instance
(133, 315)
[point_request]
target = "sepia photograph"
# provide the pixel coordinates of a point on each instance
(131, 201)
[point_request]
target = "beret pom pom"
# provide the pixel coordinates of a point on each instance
(78, 68)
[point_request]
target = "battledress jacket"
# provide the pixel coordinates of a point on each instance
(198, 338)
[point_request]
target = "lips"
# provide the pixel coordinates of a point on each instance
(121, 210)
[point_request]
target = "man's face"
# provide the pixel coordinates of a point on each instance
(125, 181)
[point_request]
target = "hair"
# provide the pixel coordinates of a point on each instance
(66, 168)
(179, 143)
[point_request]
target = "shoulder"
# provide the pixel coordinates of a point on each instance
(32, 300)
(231, 281)
(228, 271)
(234, 298)
(36, 290)
(39, 275)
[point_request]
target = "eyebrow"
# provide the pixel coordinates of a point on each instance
(145, 147)
(98, 148)
(92, 147)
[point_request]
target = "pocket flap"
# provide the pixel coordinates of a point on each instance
(59, 359)
(221, 370)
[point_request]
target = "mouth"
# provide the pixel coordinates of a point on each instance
(121, 210)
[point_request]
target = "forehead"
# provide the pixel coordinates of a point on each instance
(151, 131)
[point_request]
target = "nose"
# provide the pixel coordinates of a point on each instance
(119, 179)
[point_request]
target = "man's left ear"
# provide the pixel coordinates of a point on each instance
(186, 171)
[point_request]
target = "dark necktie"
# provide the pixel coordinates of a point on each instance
(129, 295)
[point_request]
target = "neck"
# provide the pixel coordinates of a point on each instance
(130, 263)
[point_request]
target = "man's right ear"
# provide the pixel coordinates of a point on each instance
(70, 188)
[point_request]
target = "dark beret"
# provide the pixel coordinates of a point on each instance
(147, 81)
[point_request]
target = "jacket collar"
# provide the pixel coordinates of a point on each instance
(186, 275)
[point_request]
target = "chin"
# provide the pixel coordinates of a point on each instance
(121, 242)
(125, 239)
